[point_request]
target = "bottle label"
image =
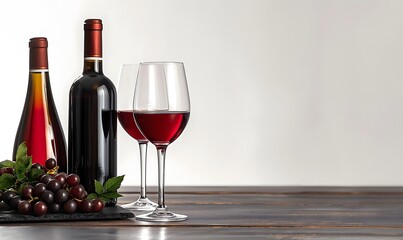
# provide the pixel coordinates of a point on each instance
(39, 70)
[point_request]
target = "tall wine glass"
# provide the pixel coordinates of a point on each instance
(161, 111)
(127, 83)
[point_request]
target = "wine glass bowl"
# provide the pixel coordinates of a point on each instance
(161, 109)
(162, 128)
(126, 120)
(127, 81)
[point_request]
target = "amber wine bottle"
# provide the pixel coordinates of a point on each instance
(92, 115)
(40, 126)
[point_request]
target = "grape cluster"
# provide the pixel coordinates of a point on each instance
(53, 192)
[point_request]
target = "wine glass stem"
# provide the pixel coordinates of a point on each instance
(161, 150)
(143, 167)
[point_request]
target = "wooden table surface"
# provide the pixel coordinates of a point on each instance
(246, 213)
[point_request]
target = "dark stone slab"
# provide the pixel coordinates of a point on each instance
(108, 213)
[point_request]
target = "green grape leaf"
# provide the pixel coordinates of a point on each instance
(22, 165)
(25, 162)
(34, 173)
(110, 195)
(6, 181)
(104, 199)
(108, 191)
(7, 163)
(22, 151)
(20, 173)
(99, 189)
(113, 184)
(92, 196)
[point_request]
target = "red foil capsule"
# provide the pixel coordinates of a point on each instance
(38, 57)
(93, 38)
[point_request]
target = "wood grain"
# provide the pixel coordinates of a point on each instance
(278, 212)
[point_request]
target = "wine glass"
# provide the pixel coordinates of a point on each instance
(127, 83)
(161, 110)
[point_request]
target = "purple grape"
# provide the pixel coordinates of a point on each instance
(54, 185)
(73, 180)
(45, 178)
(86, 206)
(7, 196)
(40, 208)
(61, 177)
(70, 206)
(47, 196)
(50, 163)
(36, 166)
(24, 208)
(78, 191)
(54, 207)
(15, 201)
(27, 192)
(61, 196)
(39, 189)
(98, 205)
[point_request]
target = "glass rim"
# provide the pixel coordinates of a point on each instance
(160, 63)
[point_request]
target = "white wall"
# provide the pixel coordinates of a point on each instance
(283, 92)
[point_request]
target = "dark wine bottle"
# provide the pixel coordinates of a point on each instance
(92, 145)
(40, 126)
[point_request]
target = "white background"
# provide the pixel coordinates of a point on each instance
(283, 92)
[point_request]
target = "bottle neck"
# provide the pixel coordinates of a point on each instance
(38, 59)
(92, 65)
(39, 79)
(38, 68)
(92, 51)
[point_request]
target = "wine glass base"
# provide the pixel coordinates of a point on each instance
(161, 215)
(142, 204)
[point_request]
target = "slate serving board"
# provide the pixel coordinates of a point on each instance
(108, 213)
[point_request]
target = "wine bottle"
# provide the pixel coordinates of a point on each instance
(40, 126)
(92, 144)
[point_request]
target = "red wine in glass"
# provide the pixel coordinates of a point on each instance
(161, 107)
(127, 83)
(162, 128)
(126, 119)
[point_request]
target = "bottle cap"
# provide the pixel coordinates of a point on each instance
(38, 53)
(93, 38)
(38, 42)
(93, 24)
